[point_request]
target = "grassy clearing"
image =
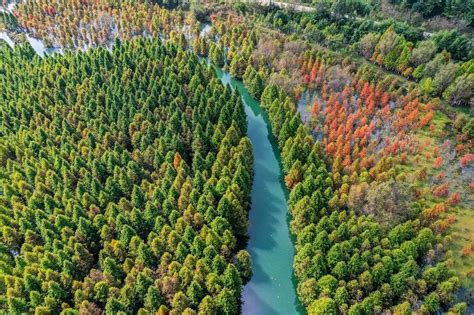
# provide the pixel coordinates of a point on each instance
(462, 231)
(463, 235)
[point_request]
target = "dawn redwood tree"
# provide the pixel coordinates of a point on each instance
(133, 197)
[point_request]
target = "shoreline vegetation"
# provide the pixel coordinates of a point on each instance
(378, 168)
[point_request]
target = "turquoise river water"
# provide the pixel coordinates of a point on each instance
(271, 289)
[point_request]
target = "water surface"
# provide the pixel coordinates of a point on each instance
(4, 36)
(271, 289)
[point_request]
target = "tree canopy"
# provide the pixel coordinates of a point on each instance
(125, 180)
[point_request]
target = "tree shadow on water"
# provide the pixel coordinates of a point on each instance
(254, 305)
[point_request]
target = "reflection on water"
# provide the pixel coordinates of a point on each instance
(8, 8)
(271, 290)
(7, 38)
(40, 48)
(205, 30)
(3, 35)
(37, 45)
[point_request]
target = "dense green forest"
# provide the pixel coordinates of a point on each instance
(125, 182)
(451, 10)
(126, 167)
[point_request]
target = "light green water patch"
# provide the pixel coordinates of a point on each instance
(272, 288)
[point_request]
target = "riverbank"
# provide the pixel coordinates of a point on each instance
(271, 290)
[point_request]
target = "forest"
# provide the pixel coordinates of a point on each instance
(121, 192)
(128, 172)
(432, 13)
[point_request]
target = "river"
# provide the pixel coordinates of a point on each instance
(271, 290)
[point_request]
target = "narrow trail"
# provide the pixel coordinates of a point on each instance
(284, 5)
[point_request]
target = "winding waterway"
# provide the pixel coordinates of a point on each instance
(271, 289)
